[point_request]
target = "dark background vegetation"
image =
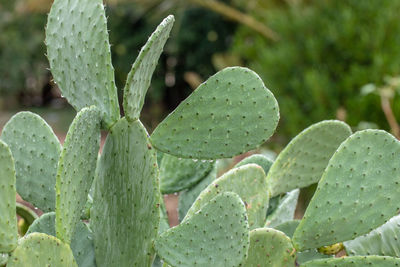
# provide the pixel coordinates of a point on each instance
(322, 54)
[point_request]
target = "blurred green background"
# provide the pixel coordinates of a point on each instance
(314, 55)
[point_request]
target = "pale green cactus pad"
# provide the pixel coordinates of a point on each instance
(285, 210)
(79, 54)
(217, 235)
(305, 158)
(125, 214)
(3, 259)
(8, 217)
(187, 197)
(249, 182)
(355, 261)
(270, 247)
(383, 241)
(231, 113)
(38, 250)
(177, 174)
(35, 149)
(365, 165)
(258, 159)
(76, 169)
(142, 70)
(82, 241)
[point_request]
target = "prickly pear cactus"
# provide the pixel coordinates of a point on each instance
(76, 169)
(270, 247)
(231, 113)
(139, 77)
(217, 235)
(249, 182)
(258, 159)
(38, 250)
(383, 241)
(305, 158)
(125, 213)
(177, 174)
(3, 259)
(35, 149)
(81, 243)
(79, 55)
(356, 261)
(360, 187)
(8, 218)
(285, 210)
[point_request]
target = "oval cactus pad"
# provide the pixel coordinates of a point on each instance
(356, 261)
(231, 113)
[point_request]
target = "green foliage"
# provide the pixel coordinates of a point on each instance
(217, 235)
(328, 50)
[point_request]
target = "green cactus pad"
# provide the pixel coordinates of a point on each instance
(178, 174)
(288, 227)
(217, 235)
(383, 241)
(8, 218)
(79, 54)
(258, 159)
(38, 250)
(82, 241)
(142, 70)
(187, 197)
(269, 247)
(231, 113)
(125, 213)
(365, 165)
(356, 261)
(3, 259)
(36, 150)
(285, 210)
(249, 182)
(305, 158)
(76, 169)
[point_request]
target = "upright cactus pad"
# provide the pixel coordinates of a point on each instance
(305, 158)
(269, 247)
(360, 187)
(38, 250)
(258, 159)
(187, 197)
(285, 210)
(383, 241)
(139, 77)
(356, 261)
(79, 54)
(8, 218)
(36, 150)
(177, 174)
(81, 243)
(76, 169)
(217, 235)
(231, 113)
(125, 213)
(249, 182)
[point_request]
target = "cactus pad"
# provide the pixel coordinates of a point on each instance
(125, 213)
(231, 113)
(269, 247)
(356, 261)
(217, 235)
(305, 158)
(8, 218)
(38, 250)
(365, 165)
(3, 259)
(187, 197)
(177, 174)
(76, 169)
(249, 182)
(82, 241)
(139, 77)
(258, 159)
(36, 150)
(383, 241)
(285, 210)
(79, 54)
